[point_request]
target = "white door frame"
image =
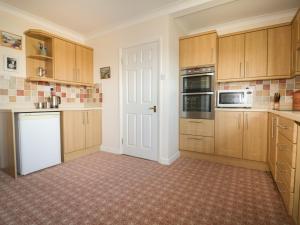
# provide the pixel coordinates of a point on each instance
(159, 43)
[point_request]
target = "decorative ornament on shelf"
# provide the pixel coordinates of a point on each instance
(42, 49)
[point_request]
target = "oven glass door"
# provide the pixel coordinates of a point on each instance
(231, 98)
(198, 105)
(196, 83)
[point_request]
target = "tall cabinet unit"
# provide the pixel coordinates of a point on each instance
(296, 44)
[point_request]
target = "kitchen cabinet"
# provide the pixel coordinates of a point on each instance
(84, 64)
(272, 153)
(255, 142)
(198, 50)
(296, 45)
(81, 132)
(229, 133)
(73, 126)
(231, 57)
(279, 51)
(241, 135)
(196, 135)
(256, 54)
(93, 128)
(64, 60)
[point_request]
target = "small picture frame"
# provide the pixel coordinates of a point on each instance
(105, 72)
(10, 40)
(11, 64)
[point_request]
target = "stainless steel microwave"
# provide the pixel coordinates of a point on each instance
(235, 98)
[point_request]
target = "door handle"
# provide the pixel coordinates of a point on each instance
(153, 108)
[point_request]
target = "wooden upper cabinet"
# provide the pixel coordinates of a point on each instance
(231, 57)
(64, 60)
(279, 51)
(256, 54)
(296, 45)
(84, 64)
(198, 51)
(73, 126)
(93, 128)
(229, 134)
(255, 136)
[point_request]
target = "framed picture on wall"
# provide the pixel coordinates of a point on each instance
(10, 40)
(11, 64)
(105, 72)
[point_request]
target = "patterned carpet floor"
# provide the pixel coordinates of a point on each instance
(119, 190)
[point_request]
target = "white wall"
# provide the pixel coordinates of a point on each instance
(107, 53)
(17, 25)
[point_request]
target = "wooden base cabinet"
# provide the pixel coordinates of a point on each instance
(196, 135)
(242, 135)
(272, 146)
(255, 143)
(81, 133)
(229, 134)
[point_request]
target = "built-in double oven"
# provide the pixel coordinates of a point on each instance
(197, 97)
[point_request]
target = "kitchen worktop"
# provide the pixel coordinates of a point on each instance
(292, 115)
(30, 109)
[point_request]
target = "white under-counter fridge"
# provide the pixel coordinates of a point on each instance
(38, 141)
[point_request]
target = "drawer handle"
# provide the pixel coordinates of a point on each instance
(282, 147)
(195, 122)
(197, 139)
(282, 127)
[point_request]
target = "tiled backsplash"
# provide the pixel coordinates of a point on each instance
(17, 91)
(263, 91)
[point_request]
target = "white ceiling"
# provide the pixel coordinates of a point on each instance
(92, 17)
(89, 16)
(233, 11)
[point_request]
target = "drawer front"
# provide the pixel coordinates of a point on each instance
(288, 197)
(287, 128)
(286, 175)
(286, 151)
(197, 143)
(197, 127)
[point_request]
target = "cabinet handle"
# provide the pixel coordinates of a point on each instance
(87, 117)
(195, 122)
(282, 127)
(83, 118)
(78, 74)
(272, 128)
(246, 69)
(74, 74)
(197, 139)
(247, 121)
(212, 55)
(239, 121)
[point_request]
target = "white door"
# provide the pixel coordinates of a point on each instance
(140, 93)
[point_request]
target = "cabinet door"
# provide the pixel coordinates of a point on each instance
(84, 64)
(231, 57)
(279, 51)
(229, 134)
(197, 51)
(93, 128)
(256, 54)
(255, 136)
(296, 45)
(64, 60)
(73, 125)
(272, 127)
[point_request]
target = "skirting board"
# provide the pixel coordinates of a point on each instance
(227, 160)
(169, 161)
(110, 149)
